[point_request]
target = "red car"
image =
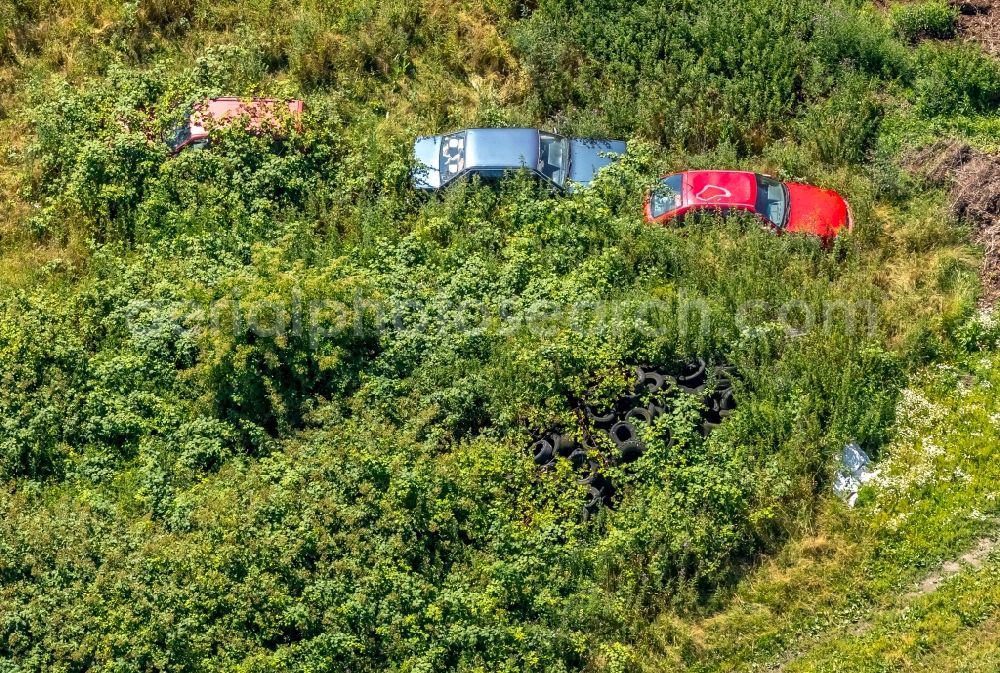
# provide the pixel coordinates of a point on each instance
(262, 115)
(786, 206)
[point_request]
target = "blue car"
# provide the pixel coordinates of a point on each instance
(557, 161)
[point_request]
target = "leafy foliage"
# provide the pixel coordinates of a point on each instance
(692, 77)
(917, 20)
(956, 80)
(266, 407)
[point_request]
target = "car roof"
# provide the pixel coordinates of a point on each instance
(501, 148)
(718, 188)
(232, 106)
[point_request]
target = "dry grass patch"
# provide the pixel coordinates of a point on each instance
(972, 179)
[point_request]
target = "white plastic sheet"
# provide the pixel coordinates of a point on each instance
(853, 473)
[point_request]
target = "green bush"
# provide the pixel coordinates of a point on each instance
(405, 525)
(695, 76)
(842, 128)
(842, 37)
(956, 80)
(926, 19)
(264, 407)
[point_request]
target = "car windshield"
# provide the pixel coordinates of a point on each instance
(553, 157)
(179, 135)
(666, 195)
(772, 200)
(452, 156)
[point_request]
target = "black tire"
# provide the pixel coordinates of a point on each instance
(578, 459)
(623, 432)
(593, 477)
(603, 419)
(640, 374)
(725, 372)
(631, 451)
(602, 485)
(542, 452)
(639, 414)
(664, 370)
(708, 428)
(654, 381)
(592, 503)
(628, 402)
(692, 374)
(589, 472)
(726, 401)
(564, 444)
(608, 491)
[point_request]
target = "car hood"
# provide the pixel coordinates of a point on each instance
(426, 155)
(585, 157)
(814, 210)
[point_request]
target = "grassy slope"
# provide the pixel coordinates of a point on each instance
(836, 596)
(906, 581)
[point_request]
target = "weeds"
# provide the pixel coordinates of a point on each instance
(263, 406)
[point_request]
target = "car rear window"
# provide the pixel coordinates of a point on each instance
(452, 155)
(553, 157)
(666, 195)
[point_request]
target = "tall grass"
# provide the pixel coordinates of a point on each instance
(264, 406)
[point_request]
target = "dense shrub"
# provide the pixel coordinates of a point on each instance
(274, 414)
(918, 20)
(956, 80)
(842, 128)
(694, 75)
(843, 37)
(407, 527)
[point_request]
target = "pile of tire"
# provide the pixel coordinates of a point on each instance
(719, 403)
(648, 397)
(581, 455)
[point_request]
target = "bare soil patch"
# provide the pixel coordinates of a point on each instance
(972, 179)
(979, 21)
(974, 558)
